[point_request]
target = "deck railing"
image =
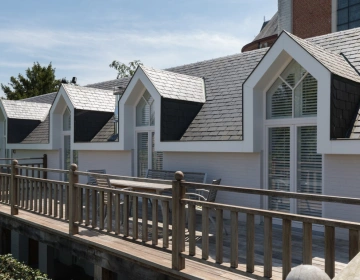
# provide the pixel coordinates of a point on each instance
(178, 249)
(83, 206)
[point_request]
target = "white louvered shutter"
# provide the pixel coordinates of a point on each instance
(309, 170)
(306, 97)
(142, 153)
(279, 166)
(157, 157)
(279, 100)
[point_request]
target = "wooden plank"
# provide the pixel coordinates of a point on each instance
(268, 247)
(250, 243)
(219, 236)
(155, 222)
(93, 209)
(109, 211)
(205, 233)
(192, 227)
(135, 205)
(56, 197)
(45, 198)
(87, 207)
(353, 243)
(330, 251)
(307, 243)
(144, 219)
(286, 248)
(234, 243)
(101, 210)
(126, 215)
(165, 206)
(117, 214)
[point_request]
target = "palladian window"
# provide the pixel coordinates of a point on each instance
(293, 163)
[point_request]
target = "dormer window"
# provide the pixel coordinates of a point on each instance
(67, 120)
(145, 113)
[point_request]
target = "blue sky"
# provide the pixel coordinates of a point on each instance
(81, 38)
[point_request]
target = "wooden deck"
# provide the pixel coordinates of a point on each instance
(160, 259)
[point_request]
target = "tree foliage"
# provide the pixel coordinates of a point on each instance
(38, 80)
(11, 269)
(125, 70)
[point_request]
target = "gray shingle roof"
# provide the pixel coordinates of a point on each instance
(92, 99)
(176, 86)
(45, 98)
(105, 133)
(118, 86)
(26, 110)
(40, 135)
(334, 62)
(271, 28)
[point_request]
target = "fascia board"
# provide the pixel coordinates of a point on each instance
(47, 146)
(3, 110)
(106, 146)
(204, 146)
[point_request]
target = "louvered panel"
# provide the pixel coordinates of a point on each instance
(309, 170)
(157, 157)
(309, 96)
(279, 100)
(279, 166)
(142, 153)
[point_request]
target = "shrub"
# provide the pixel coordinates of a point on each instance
(11, 269)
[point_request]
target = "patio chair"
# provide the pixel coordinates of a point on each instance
(207, 195)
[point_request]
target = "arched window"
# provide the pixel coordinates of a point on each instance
(293, 163)
(145, 113)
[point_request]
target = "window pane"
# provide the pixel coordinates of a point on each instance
(342, 16)
(354, 13)
(342, 27)
(353, 2)
(293, 73)
(145, 113)
(66, 154)
(67, 119)
(279, 166)
(309, 170)
(306, 97)
(279, 101)
(142, 154)
(342, 4)
(157, 157)
(354, 24)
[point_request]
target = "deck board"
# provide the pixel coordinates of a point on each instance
(160, 259)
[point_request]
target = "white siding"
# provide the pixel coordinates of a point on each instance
(285, 15)
(115, 162)
(234, 169)
(52, 159)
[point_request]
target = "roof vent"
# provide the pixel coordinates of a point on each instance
(73, 81)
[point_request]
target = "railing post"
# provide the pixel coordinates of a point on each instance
(73, 179)
(13, 188)
(178, 222)
(45, 165)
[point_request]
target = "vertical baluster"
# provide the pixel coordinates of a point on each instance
(250, 243)
(93, 209)
(353, 243)
(40, 197)
(67, 196)
(31, 194)
(56, 197)
(219, 235)
(117, 213)
(109, 211)
(61, 204)
(45, 187)
(155, 222)
(87, 207)
(144, 219)
(51, 198)
(165, 206)
(330, 251)
(2, 188)
(27, 189)
(192, 226)
(307, 243)
(234, 245)
(18, 202)
(36, 199)
(33, 186)
(267, 247)
(101, 210)
(126, 215)
(135, 205)
(7, 180)
(205, 233)
(79, 204)
(286, 250)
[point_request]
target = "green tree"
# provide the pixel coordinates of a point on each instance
(38, 80)
(125, 70)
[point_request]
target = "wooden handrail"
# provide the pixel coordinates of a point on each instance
(42, 169)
